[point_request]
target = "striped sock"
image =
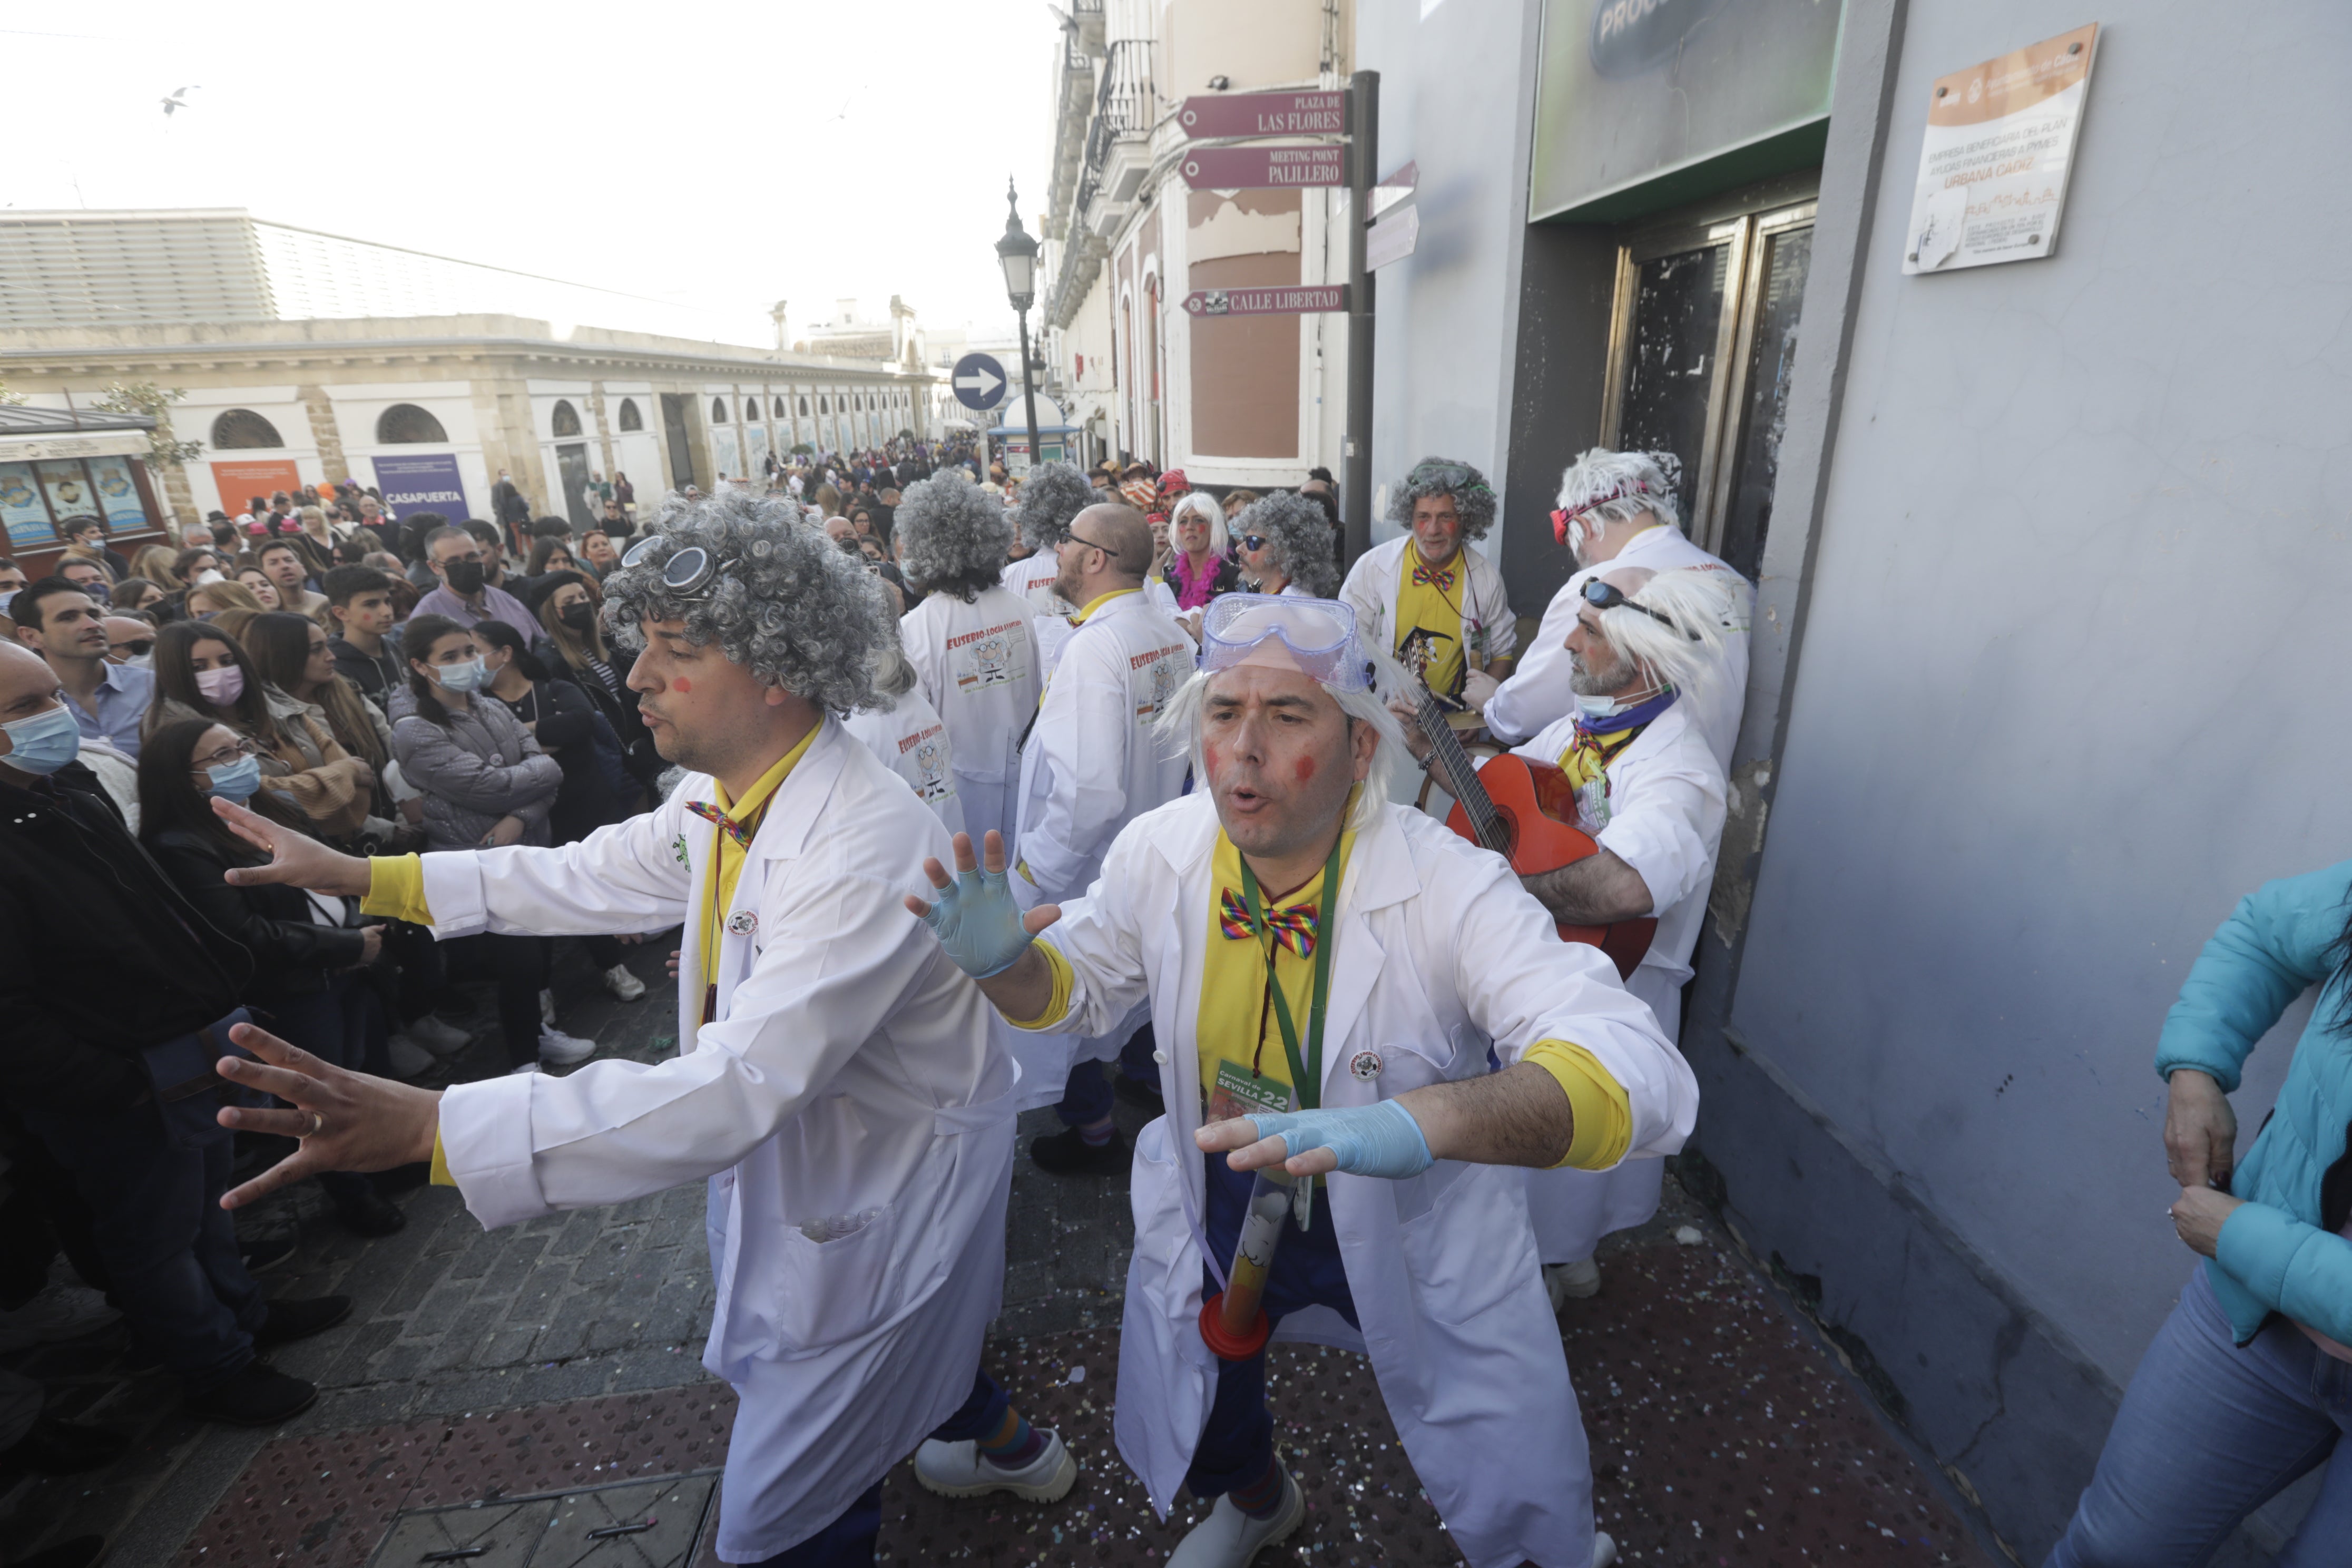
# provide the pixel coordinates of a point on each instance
(1097, 1133)
(1262, 1498)
(1014, 1443)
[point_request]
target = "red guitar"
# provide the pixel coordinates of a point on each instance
(1525, 813)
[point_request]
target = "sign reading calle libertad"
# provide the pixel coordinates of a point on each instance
(1266, 301)
(1252, 168)
(1266, 114)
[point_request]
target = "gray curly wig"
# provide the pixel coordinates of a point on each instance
(952, 536)
(1052, 495)
(1298, 531)
(788, 604)
(1474, 498)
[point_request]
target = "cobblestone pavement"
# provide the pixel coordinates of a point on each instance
(564, 1355)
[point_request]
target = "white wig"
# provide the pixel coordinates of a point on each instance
(1603, 486)
(1688, 654)
(1179, 728)
(1205, 504)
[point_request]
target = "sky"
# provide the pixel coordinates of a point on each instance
(721, 154)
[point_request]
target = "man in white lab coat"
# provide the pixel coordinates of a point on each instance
(1619, 510)
(1091, 765)
(838, 1082)
(1650, 792)
(970, 639)
(1329, 974)
(1429, 596)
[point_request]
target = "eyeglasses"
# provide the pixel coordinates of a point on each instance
(1604, 595)
(1090, 544)
(224, 756)
(1459, 477)
(1253, 543)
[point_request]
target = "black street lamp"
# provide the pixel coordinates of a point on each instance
(1017, 254)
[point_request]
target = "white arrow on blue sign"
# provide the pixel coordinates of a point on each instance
(979, 382)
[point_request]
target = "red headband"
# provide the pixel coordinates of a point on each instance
(1561, 519)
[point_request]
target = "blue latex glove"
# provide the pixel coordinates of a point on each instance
(978, 922)
(1380, 1140)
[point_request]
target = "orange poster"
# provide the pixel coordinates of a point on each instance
(240, 482)
(1994, 164)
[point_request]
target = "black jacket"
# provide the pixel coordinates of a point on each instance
(374, 676)
(100, 954)
(292, 954)
(566, 731)
(1225, 579)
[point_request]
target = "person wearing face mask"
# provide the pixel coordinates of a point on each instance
(569, 614)
(1618, 509)
(1644, 649)
(81, 906)
(307, 951)
(201, 672)
(68, 628)
(487, 784)
(467, 594)
(130, 641)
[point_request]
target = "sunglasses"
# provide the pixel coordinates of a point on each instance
(1090, 544)
(1456, 476)
(144, 645)
(1605, 597)
(1253, 543)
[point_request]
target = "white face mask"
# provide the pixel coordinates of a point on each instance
(1598, 707)
(208, 575)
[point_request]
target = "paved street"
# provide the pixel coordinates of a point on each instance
(531, 1371)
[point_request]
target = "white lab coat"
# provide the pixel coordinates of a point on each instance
(1091, 766)
(911, 739)
(1441, 955)
(1489, 631)
(1537, 692)
(851, 1073)
(1030, 579)
(1665, 804)
(978, 666)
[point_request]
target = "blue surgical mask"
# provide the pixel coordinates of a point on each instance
(1598, 707)
(466, 677)
(237, 781)
(44, 743)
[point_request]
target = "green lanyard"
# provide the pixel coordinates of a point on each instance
(1307, 1071)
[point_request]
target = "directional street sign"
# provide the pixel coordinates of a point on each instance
(1392, 238)
(979, 382)
(1264, 115)
(1266, 301)
(1250, 168)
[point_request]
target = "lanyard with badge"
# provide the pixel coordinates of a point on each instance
(1305, 1070)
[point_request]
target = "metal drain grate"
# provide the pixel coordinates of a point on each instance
(630, 1524)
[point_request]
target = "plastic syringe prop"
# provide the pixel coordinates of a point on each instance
(1233, 1323)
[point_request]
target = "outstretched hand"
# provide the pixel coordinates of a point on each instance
(346, 1120)
(1378, 1140)
(975, 918)
(295, 858)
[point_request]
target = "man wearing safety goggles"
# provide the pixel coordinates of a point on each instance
(841, 1083)
(1427, 597)
(1329, 975)
(1619, 511)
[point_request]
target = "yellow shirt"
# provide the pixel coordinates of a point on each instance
(1429, 619)
(731, 855)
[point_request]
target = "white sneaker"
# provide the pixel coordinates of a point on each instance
(409, 1059)
(1604, 1550)
(956, 1470)
(624, 985)
(523, 1071)
(547, 1009)
(438, 1036)
(1229, 1538)
(561, 1050)
(59, 1312)
(1566, 1282)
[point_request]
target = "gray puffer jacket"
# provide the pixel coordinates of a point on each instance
(482, 766)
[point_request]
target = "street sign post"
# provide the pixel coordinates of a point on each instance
(1266, 301)
(980, 382)
(1264, 115)
(1254, 168)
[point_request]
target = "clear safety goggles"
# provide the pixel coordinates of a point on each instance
(1318, 635)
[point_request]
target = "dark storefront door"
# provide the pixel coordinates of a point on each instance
(572, 468)
(681, 447)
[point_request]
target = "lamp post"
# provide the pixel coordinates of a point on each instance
(1017, 254)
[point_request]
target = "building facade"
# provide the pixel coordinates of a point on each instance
(2030, 539)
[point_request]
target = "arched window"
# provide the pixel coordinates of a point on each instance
(751, 409)
(630, 419)
(718, 411)
(404, 423)
(804, 404)
(822, 406)
(244, 428)
(563, 419)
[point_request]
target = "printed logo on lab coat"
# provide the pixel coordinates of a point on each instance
(1170, 669)
(985, 658)
(928, 751)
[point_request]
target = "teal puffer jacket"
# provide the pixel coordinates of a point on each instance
(2279, 1252)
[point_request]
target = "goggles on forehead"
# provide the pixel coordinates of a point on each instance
(688, 575)
(1316, 636)
(1561, 519)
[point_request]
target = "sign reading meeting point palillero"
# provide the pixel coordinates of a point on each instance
(1264, 115)
(1254, 168)
(1300, 301)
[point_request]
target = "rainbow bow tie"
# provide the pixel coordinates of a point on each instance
(1293, 928)
(1438, 577)
(739, 831)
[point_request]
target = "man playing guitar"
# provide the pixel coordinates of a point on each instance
(1646, 786)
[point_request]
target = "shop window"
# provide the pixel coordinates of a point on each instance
(243, 428)
(404, 423)
(631, 419)
(563, 419)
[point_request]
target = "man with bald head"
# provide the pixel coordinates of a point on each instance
(1089, 767)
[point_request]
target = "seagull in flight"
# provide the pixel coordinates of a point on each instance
(179, 99)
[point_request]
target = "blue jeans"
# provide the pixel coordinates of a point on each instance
(1087, 1098)
(170, 1248)
(2207, 1434)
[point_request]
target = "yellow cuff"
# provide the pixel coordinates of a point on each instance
(1057, 1007)
(396, 889)
(1022, 867)
(1604, 1116)
(441, 1176)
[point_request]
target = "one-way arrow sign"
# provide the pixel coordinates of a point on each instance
(979, 382)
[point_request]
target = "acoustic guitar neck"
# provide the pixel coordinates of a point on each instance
(1459, 774)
